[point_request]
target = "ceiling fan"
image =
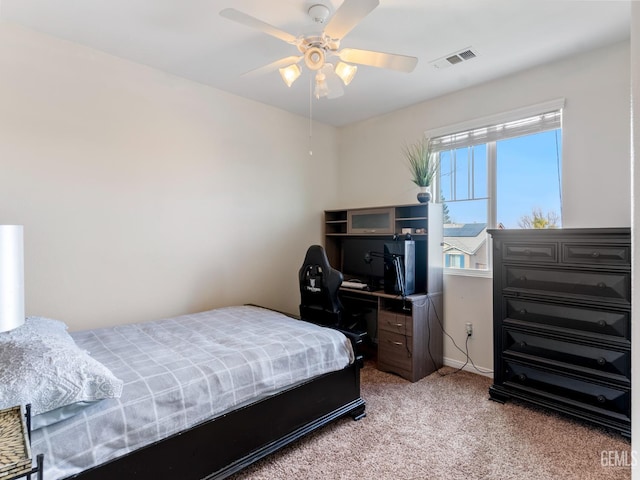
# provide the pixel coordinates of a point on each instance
(319, 50)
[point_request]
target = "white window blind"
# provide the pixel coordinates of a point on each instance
(490, 133)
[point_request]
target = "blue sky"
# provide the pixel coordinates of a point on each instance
(528, 177)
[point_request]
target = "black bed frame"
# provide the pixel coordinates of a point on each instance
(222, 446)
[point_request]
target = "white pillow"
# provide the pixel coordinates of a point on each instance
(41, 364)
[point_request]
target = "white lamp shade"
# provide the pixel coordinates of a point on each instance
(321, 90)
(290, 74)
(11, 277)
(346, 72)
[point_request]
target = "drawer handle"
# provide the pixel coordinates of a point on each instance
(398, 344)
(602, 285)
(602, 361)
(595, 254)
(523, 344)
(601, 398)
(396, 324)
(602, 323)
(522, 377)
(523, 278)
(527, 252)
(523, 311)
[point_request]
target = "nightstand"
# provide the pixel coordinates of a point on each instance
(15, 445)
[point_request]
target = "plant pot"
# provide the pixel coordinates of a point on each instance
(424, 195)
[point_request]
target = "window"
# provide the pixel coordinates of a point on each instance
(504, 174)
(454, 260)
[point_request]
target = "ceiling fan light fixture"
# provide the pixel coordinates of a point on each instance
(290, 74)
(346, 72)
(322, 89)
(314, 58)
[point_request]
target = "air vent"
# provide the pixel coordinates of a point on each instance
(467, 55)
(455, 58)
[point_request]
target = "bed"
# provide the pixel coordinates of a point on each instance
(195, 396)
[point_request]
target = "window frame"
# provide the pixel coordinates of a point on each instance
(477, 123)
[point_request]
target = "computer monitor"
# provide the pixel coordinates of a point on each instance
(359, 264)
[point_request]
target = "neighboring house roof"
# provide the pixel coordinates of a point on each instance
(464, 229)
(466, 237)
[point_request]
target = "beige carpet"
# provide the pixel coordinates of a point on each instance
(446, 428)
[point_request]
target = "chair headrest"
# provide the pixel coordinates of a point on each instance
(319, 285)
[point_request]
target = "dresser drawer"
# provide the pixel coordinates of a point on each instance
(601, 399)
(597, 286)
(394, 349)
(584, 359)
(595, 254)
(600, 323)
(530, 252)
(395, 322)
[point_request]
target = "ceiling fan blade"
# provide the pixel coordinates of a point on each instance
(252, 22)
(392, 61)
(273, 66)
(347, 16)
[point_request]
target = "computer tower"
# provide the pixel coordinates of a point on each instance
(400, 267)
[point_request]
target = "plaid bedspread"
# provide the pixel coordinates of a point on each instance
(180, 371)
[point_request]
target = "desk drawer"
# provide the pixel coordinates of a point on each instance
(607, 364)
(395, 322)
(575, 392)
(596, 254)
(597, 286)
(597, 322)
(394, 349)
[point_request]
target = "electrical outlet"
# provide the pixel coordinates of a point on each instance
(469, 326)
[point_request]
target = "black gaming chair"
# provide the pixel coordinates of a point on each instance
(319, 301)
(319, 284)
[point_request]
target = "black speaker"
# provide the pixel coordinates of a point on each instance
(400, 267)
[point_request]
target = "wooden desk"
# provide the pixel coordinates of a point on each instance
(407, 331)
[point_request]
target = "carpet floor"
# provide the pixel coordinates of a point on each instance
(446, 428)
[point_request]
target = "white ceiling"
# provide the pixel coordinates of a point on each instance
(190, 39)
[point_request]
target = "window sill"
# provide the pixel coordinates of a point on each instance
(468, 272)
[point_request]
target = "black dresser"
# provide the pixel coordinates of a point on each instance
(561, 320)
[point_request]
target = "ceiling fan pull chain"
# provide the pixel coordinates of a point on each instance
(310, 115)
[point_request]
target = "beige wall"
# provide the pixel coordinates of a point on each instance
(145, 195)
(596, 190)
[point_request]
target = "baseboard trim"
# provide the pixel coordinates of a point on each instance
(452, 362)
